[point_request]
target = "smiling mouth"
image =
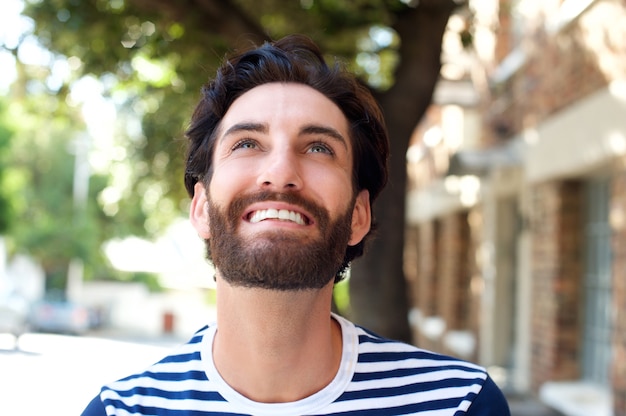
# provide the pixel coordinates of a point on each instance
(278, 214)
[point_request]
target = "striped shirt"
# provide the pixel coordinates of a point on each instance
(377, 376)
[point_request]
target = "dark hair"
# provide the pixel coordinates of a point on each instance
(297, 59)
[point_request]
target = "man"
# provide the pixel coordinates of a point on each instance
(286, 157)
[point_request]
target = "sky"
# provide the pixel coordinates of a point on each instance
(12, 26)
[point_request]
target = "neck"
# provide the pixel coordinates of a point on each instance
(276, 346)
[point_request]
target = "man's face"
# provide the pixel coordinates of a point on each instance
(280, 209)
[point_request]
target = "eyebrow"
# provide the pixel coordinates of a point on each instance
(309, 129)
(245, 126)
(325, 131)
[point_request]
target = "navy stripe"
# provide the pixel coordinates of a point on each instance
(372, 357)
(197, 336)
(406, 389)
(162, 376)
(157, 411)
(182, 358)
(406, 409)
(370, 334)
(172, 395)
(407, 372)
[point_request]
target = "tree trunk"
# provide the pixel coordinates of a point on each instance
(378, 292)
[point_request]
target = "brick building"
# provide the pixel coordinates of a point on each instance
(516, 240)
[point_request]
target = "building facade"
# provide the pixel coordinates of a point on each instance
(516, 239)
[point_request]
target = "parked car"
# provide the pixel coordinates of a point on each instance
(13, 314)
(60, 316)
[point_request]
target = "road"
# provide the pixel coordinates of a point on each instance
(58, 375)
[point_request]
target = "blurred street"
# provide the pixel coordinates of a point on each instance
(58, 375)
(529, 406)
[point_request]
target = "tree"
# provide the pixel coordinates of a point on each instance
(38, 138)
(49, 226)
(7, 188)
(161, 51)
(379, 289)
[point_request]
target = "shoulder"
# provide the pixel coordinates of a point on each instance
(94, 408)
(413, 376)
(376, 349)
(489, 402)
(163, 380)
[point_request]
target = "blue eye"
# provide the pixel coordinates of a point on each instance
(321, 148)
(245, 144)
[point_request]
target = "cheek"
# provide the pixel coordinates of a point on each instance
(225, 182)
(333, 186)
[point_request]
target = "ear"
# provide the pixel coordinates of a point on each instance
(199, 211)
(361, 218)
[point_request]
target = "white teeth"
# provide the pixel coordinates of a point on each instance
(282, 214)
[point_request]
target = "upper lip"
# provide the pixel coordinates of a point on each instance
(278, 206)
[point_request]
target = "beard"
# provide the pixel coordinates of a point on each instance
(277, 260)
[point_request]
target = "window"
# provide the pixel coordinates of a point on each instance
(597, 284)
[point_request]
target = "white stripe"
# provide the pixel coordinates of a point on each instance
(175, 367)
(414, 379)
(367, 367)
(174, 386)
(163, 403)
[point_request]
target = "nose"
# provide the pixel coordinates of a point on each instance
(280, 171)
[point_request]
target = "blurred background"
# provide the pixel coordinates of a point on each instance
(502, 236)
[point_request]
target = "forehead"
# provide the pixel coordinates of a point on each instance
(285, 103)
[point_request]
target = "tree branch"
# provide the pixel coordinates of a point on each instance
(220, 17)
